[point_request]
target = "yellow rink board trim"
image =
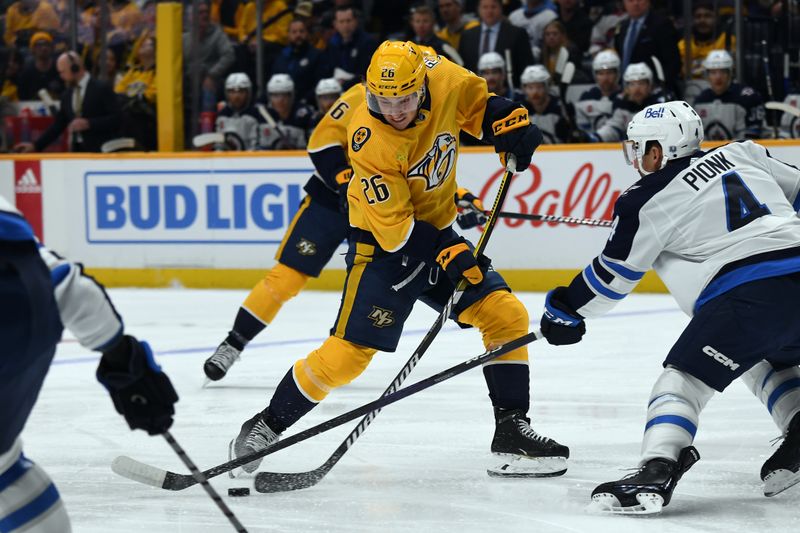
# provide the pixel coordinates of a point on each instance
(329, 280)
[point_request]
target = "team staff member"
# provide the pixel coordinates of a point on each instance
(403, 146)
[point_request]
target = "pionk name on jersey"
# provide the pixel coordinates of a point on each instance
(707, 169)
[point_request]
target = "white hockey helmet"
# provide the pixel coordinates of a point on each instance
(718, 59)
(535, 74)
(238, 81)
(636, 72)
(280, 84)
(491, 60)
(328, 86)
(675, 125)
(606, 60)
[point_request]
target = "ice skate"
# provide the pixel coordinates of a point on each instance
(647, 490)
(254, 436)
(523, 452)
(218, 364)
(782, 469)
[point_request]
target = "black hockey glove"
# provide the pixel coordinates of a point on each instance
(560, 323)
(456, 259)
(470, 209)
(343, 181)
(515, 134)
(141, 392)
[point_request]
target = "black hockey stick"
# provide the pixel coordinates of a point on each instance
(200, 478)
(285, 481)
(556, 218)
(151, 475)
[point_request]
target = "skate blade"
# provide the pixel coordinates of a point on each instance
(206, 383)
(520, 466)
(780, 480)
(241, 471)
(605, 503)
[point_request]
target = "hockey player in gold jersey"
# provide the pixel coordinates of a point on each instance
(403, 147)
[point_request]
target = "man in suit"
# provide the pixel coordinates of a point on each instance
(495, 35)
(644, 35)
(89, 110)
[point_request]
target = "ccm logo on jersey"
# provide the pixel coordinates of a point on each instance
(654, 113)
(381, 317)
(720, 358)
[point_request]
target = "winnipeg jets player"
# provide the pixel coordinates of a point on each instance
(545, 108)
(595, 105)
(238, 120)
(721, 229)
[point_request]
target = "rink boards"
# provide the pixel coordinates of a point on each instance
(216, 220)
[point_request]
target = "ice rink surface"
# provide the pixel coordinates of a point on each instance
(421, 465)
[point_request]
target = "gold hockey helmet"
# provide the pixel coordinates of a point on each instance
(396, 78)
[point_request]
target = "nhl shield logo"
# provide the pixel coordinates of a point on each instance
(380, 317)
(306, 247)
(437, 163)
(360, 137)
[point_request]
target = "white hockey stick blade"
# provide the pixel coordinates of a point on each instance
(136, 471)
(605, 503)
(204, 139)
(780, 480)
(786, 108)
(517, 466)
(568, 74)
(561, 60)
(659, 69)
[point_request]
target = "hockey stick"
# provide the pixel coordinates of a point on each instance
(786, 108)
(151, 475)
(280, 481)
(555, 218)
(200, 478)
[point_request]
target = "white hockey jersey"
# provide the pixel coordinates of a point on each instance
(243, 124)
(593, 109)
(790, 124)
(705, 223)
(738, 113)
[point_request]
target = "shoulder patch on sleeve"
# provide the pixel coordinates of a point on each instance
(360, 137)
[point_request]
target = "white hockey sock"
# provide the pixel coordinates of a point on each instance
(779, 391)
(673, 414)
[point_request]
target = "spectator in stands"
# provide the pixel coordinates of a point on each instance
(40, 72)
(603, 31)
(495, 35)
(301, 61)
(639, 93)
(126, 21)
(328, 90)
(228, 14)
(645, 35)
(533, 17)
(705, 37)
(239, 120)
(422, 26)
(275, 21)
(214, 55)
(286, 123)
(10, 66)
(492, 68)
(576, 22)
(545, 110)
(596, 105)
(350, 48)
(109, 68)
(88, 111)
(554, 45)
(455, 22)
(729, 111)
(137, 92)
(26, 17)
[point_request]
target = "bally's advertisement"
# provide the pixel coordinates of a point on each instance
(216, 220)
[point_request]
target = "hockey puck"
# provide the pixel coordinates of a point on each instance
(241, 491)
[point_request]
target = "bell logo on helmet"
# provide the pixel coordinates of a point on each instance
(654, 113)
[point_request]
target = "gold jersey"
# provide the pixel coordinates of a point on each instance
(332, 128)
(400, 176)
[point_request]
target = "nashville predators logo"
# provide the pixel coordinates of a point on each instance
(437, 163)
(360, 137)
(380, 317)
(306, 247)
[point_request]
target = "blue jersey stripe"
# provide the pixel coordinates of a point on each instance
(766, 378)
(16, 471)
(14, 228)
(780, 390)
(599, 287)
(59, 273)
(680, 421)
(740, 276)
(30, 511)
(622, 271)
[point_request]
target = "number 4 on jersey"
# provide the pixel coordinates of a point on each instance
(741, 206)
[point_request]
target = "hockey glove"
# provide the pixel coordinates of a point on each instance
(141, 392)
(561, 324)
(456, 259)
(343, 181)
(515, 134)
(470, 209)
